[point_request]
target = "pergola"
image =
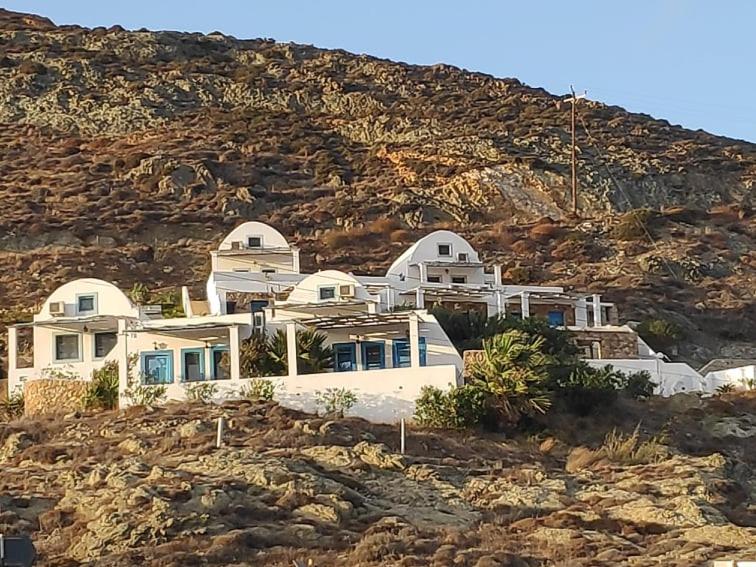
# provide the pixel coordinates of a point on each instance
(373, 322)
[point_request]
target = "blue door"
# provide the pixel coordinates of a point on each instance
(157, 367)
(373, 356)
(192, 364)
(401, 353)
(556, 318)
(344, 357)
(220, 363)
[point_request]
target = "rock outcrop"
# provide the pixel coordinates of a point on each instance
(149, 487)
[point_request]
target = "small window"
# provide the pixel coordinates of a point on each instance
(241, 270)
(326, 293)
(459, 279)
(254, 242)
(463, 257)
(268, 271)
(444, 250)
(373, 356)
(86, 304)
(344, 357)
(67, 347)
(556, 318)
(104, 343)
(434, 279)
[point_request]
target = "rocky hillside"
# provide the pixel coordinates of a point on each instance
(148, 487)
(127, 155)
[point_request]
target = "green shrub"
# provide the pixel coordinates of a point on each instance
(139, 394)
(660, 334)
(725, 389)
(335, 400)
(459, 407)
(258, 389)
(102, 392)
(12, 407)
(586, 389)
(201, 391)
(639, 385)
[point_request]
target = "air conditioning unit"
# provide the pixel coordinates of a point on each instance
(152, 309)
(237, 245)
(346, 291)
(57, 309)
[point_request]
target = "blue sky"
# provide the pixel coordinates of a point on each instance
(692, 62)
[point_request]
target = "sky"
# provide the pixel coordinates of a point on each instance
(691, 62)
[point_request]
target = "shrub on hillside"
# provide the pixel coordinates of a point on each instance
(633, 225)
(335, 401)
(639, 385)
(457, 408)
(201, 392)
(12, 407)
(258, 389)
(586, 389)
(102, 391)
(660, 334)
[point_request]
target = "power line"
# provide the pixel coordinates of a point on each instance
(616, 183)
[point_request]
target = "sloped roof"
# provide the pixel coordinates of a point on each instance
(718, 364)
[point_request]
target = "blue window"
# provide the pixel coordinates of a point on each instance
(344, 357)
(373, 355)
(401, 354)
(192, 364)
(556, 318)
(220, 368)
(157, 367)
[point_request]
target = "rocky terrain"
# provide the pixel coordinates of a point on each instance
(147, 486)
(127, 155)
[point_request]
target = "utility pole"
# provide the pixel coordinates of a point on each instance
(573, 99)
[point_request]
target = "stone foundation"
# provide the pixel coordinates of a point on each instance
(45, 396)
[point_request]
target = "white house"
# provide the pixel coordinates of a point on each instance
(385, 358)
(252, 262)
(74, 333)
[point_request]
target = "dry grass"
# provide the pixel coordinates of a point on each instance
(621, 449)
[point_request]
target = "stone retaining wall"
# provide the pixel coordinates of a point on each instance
(45, 396)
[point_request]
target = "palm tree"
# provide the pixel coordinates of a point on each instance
(513, 371)
(313, 356)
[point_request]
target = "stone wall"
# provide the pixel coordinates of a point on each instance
(614, 344)
(45, 396)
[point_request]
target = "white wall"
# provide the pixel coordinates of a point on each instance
(383, 396)
(110, 299)
(742, 378)
(671, 377)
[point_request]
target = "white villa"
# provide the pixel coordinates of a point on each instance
(386, 345)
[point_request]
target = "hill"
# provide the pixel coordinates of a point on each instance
(148, 487)
(127, 155)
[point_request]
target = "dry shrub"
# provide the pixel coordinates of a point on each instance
(567, 250)
(545, 232)
(400, 235)
(518, 275)
(633, 225)
(684, 214)
(384, 226)
(338, 238)
(619, 448)
(523, 247)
